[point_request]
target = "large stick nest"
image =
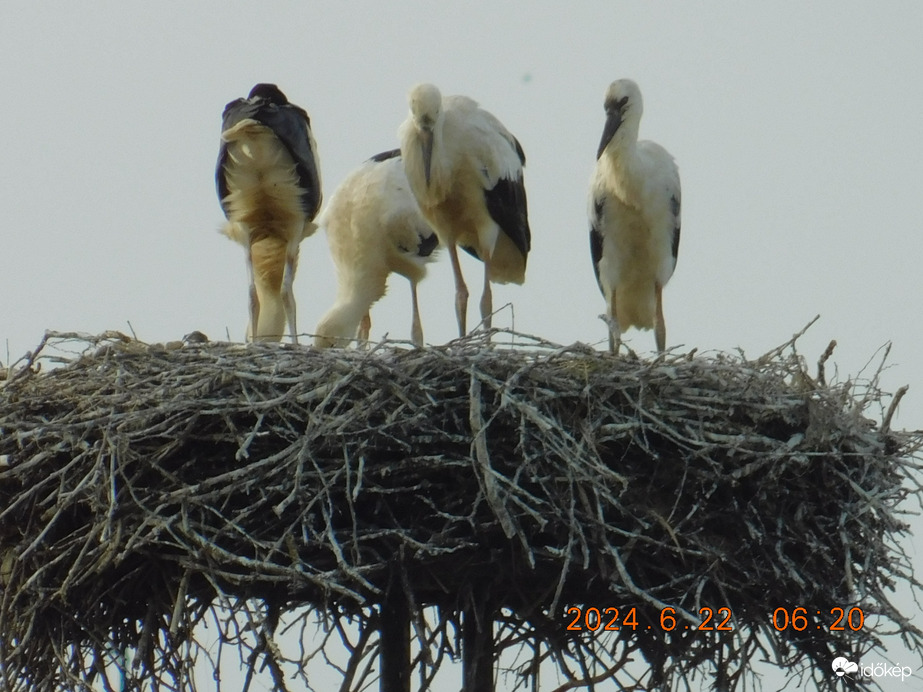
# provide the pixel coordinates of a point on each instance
(142, 486)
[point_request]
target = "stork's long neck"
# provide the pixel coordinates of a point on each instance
(341, 322)
(438, 169)
(345, 316)
(620, 158)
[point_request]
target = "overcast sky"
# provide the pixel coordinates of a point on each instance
(796, 126)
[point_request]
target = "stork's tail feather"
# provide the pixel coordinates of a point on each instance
(507, 265)
(635, 307)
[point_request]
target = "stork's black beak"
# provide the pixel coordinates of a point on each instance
(613, 122)
(426, 143)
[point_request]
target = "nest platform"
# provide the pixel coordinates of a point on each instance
(146, 487)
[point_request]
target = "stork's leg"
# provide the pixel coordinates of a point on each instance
(254, 302)
(365, 328)
(288, 296)
(615, 331)
(487, 302)
(416, 327)
(254, 313)
(461, 292)
(660, 327)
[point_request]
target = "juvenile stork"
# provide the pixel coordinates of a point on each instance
(634, 211)
(465, 169)
(374, 227)
(268, 180)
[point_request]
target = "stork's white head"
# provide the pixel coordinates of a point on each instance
(624, 107)
(425, 105)
(425, 109)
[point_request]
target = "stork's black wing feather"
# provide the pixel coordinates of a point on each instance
(506, 204)
(675, 208)
(519, 151)
(291, 125)
(596, 238)
(231, 114)
(427, 245)
(385, 155)
(471, 251)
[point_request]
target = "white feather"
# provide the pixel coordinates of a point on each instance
(637, 186)
(374, 227)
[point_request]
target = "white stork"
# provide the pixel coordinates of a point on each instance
(465, 169)
(268, 180)
(634, 211)
(374, 227)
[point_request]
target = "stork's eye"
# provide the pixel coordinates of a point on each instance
(619, 106)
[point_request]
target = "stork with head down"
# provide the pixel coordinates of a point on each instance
(374, 227)
(268, 180)
(465, 169)
(634, 211)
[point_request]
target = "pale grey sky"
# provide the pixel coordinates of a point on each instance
(796, 128)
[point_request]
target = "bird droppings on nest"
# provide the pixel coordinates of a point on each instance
(145, 486)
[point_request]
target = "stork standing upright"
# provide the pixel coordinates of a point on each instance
(374, 227)
(465, 169)
(634, 211)
(268, 180)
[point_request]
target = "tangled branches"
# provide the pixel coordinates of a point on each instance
(149, 490)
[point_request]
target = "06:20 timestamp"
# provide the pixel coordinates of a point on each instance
(607, 619)
(798, 619)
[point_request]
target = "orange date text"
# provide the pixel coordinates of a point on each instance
(611, 619)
